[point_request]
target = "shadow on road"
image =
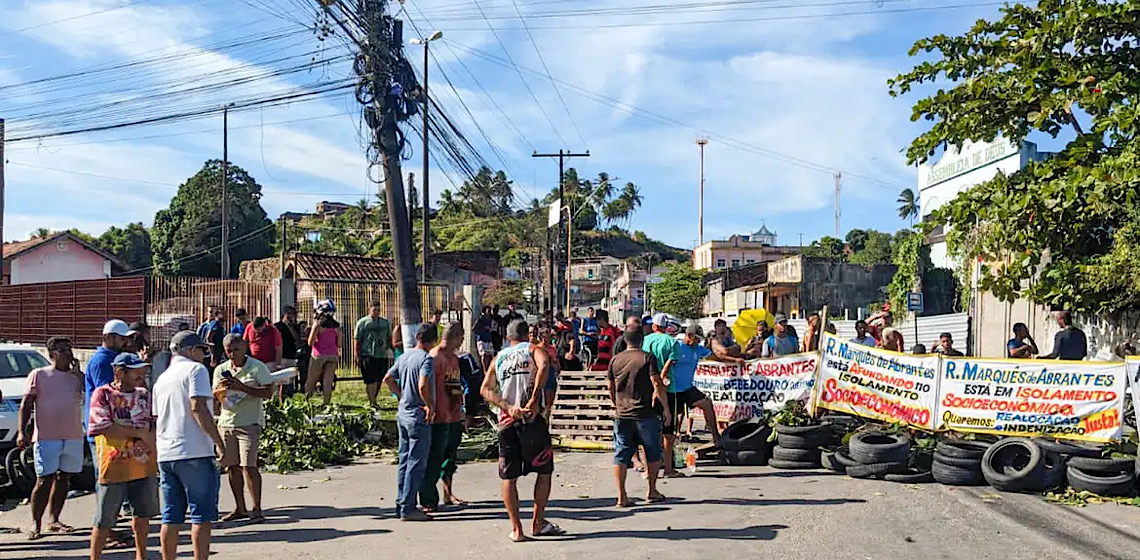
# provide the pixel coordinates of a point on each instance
(771, 474)
(754, 533)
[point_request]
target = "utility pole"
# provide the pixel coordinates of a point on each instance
(838, 176)
(562, 156)
(701, 142)
(427, 219)
(283, 243)
(225, 169)
(380, 48)
(411, 200)
(1, 195)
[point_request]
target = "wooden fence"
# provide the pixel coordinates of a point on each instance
(582, 410)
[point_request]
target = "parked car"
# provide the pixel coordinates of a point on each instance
(16, 361)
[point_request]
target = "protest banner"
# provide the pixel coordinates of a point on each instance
(877, 384)
(1065, 399)
(740, 391)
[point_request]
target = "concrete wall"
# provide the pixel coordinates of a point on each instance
(842, 286)
(995, 320)
(59, 261)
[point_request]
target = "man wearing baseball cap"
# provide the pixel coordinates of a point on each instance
(187, 442)
(781, 343)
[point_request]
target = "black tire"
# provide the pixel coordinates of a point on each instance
(959, 462)
(1103, 465)
(23, 479)
(869, 448)
(814, 441)
(962, 449)
(830, 461)
(781, 453)
(1055, 468)
(1013, 464)
(746, 457)
(1066, 448)
(875, 470)
(800, 430)
(1112, 485)
(844, 459)
(793, 465)
(910, 476)
(85, 479)
(757, 439)
(952, 475)
(731, 436)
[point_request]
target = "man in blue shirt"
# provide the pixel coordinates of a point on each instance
(589, 332)
(99, 372)
(411, 380)
(242, 320)
(682, 393)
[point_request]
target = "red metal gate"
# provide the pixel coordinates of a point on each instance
(32, 313)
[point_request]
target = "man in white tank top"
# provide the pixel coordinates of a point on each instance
(514, 384)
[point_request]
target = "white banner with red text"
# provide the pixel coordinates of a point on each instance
(1064, 399)
(740, 391)
(877, 384)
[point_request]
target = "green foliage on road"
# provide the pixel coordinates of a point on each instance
(187, 235)
(305, 435)
(1060, 232)
(681, 291)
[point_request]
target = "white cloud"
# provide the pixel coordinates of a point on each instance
(18, 227)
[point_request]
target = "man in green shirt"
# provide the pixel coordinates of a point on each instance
(373, 342)
(664, 348)
(241, 384)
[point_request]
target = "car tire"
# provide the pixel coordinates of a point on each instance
(781, 453)
(814, 441)
(958, 461)
(870, 448)
(953, 475)
(1067, 448)
(800, 430)
(910, 476)
(23, 479)
(746, 457)
(730, 437)
(1103, 465)
(757, 439)
(830, 461)
(843, 457)
(875, 470)
(960, 449)
(1121, 484)
(1014, 464)
(793, 465)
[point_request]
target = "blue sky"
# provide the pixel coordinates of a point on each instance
(786, 80)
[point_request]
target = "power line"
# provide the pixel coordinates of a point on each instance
(521, 78)
(80, 16)
(546, 68)
(206, 252)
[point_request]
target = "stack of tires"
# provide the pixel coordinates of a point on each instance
(878, 455)
(1103, 476)
(798, 447)
(746, 442)
(959, 463)
(1021, 465)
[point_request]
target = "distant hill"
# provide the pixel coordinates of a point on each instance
(621, 245)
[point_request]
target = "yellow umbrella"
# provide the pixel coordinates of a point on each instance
(745, 326)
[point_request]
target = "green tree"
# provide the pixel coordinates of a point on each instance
(186, 237)
(681, 291)
(505, 292)
(908, 205)
(857, 239)
(876, 249)
(827, 247)
(130, 244)
(1057, 230)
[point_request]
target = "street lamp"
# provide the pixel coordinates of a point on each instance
(435, 36)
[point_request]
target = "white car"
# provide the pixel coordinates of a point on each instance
(16, 361)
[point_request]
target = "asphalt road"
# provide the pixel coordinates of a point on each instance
(722, 512)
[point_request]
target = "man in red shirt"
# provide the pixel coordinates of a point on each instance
(264, 342)
(607, 336)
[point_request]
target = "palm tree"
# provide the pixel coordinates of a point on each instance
(908, 205)
(362, 212)
(631, 195)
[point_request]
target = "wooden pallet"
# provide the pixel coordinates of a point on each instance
(582, 409)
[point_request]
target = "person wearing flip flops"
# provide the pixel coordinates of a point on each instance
(447, 426)
(514, 384)
(123, 424)
(56, 394)
(241, 384)
(635, 383)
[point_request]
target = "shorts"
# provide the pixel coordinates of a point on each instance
(189, 484)
(629, 433)
(678, 402)
(240, 445)
(667, 428)
(58, 455)
(372, 369)
(593, 346)
(141, 494)
(524, 448)
(317, 363)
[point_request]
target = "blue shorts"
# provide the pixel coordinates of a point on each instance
(58, 455)
(628, 434)
(552, 379)
(189, 484)
(141, 494)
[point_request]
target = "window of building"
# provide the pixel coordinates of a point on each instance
(735, 263)
(751, 261)
(640, 293)
(720, 263)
